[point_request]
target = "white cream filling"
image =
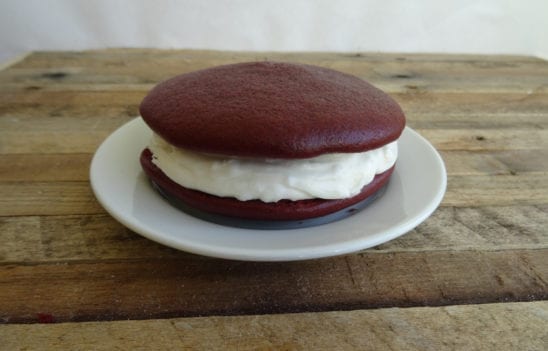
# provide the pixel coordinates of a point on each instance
(329, 176)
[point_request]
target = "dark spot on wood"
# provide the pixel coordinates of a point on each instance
(33, 87)
(480, 138)
(356, 54)
(132, 111)
(499, 280)
(412, 87)
(402, 76)
(45, 241)
(85, 221)
(400, 59)
(45, 318)
(512, 172)
(55, 75)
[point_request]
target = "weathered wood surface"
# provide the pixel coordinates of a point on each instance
(62, 258)
(73, 238)
(190, 286)
(509, 326)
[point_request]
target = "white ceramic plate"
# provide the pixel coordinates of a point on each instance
(415, 190)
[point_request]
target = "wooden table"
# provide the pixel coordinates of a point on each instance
(473, 276)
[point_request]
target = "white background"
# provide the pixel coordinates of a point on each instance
(466, 26)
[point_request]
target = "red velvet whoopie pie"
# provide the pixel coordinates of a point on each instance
(268, 111)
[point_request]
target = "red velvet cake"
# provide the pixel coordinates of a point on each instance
(270, 141)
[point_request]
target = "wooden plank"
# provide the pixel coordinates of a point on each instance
(509, 326)
(364, 56)
(390, 86)
(82, 84)
(117, 56)
(146, 61)
(69, 112)
(37, 239)
(34, 239)
(31, 142)
(71, 97)
(502, 190)
(55, 122)
(477, 228)
(478, 121)
(23, 81)
(49, 167)
(494, 162)
(487, 139)
(144, 335)
(151, 52)
(153, 288)
(415, 74)
(461, 103)
(47, 198)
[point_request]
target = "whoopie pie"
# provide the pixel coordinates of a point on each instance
(270, 142)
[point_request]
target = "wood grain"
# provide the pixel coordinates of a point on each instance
(63, 258)
(495, 162)
(135, 69)
(51, 167)
(47, 198)
(152, 288)
(508, 326)
(118, 55)
(486, 140)
(41, 239)
(502, 190)
(391, 82)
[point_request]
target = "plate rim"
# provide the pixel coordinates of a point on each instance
(262, 254)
